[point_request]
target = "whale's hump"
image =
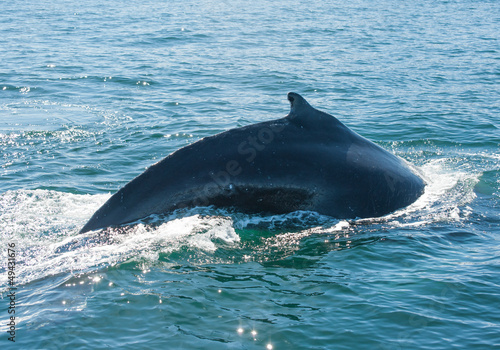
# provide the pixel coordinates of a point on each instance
(314, 163)
(306, 116)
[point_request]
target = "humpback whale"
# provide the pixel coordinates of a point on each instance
(307, 160)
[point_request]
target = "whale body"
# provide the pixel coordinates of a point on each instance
(307, 160)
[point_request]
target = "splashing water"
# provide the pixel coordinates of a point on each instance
(44, 224)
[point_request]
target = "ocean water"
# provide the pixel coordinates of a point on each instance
(92, 93)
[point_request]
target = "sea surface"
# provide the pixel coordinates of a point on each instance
(94, 92)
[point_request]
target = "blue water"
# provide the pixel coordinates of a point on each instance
(92, 93)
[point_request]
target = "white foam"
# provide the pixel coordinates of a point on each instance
(447, 193)
(40, 212)
(44, 225)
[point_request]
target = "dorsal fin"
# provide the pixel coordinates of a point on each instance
(305, 115)
(297, 103)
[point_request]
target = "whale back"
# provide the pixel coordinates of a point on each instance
(307, 160)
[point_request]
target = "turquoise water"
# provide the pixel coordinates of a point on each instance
(92, 93)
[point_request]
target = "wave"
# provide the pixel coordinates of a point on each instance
(44, 225)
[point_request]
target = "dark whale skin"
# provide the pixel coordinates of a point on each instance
(307, 160)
